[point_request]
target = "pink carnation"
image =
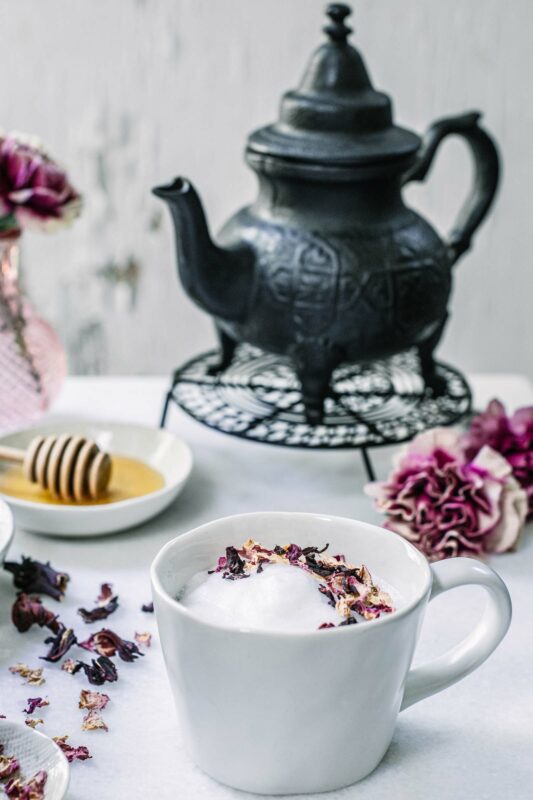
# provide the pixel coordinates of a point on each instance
(34, 191)
(447, 505)
(510, 436)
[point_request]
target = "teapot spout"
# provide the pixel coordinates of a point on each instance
(219, 280)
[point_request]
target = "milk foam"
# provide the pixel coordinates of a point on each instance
(281, 598)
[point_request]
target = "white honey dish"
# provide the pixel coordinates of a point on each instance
(36, 752)
(161, 449)
(282, 713)
(7, 529)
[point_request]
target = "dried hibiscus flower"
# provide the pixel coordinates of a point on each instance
(28, 610)
(32, 722)
(60, 644)
(35, 702)
(34, 677)
(231, 565)
(80, 753)
(93, 700)
(108, 643)
(18, 789)
(93, 722)
(144, 639)
(106, 603)
(99, 671)
(35, 577)
(148, 608)
(8, 765)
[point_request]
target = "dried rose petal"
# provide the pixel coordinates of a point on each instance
(98, 671)
(35, 577)
(326, 625)
(108, 643)
(148, 608)
(93, 722)
(34, 677)
(8, 765)
(32, 722)
(69, 665)
(80, 753)
(59, 644)
(17, 789)
(144, 639)
(28, 610)
(93, 700)
(348, 588)
(35, 702)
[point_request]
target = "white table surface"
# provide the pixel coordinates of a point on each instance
(474, 740)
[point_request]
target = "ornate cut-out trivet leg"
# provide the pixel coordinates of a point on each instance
(371, 475)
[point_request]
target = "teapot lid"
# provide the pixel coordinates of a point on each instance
(335, 118)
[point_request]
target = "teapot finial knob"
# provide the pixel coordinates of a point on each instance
(336, 29)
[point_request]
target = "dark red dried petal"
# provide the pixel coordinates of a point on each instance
(100, 612)
(108, 643)
(60, 644)
(35, 702)
(326, 625)
(106, 593)
(293, 552)
(348, 621)
(35, 577)
(148, 608)
(99, 671)
(234, 563)
(28, 610)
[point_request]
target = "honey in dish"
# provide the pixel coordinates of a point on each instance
(129, 478)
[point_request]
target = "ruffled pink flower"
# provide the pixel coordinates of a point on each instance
(447, 505)
(34, 191)
(511, 436)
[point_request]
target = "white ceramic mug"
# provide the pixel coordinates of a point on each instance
(283, 713)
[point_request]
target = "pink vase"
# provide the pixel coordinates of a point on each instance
(32, 358)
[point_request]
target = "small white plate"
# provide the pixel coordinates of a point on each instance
(35, 752)
(7, 528)
(159, 448)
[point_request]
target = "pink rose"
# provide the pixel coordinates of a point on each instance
(34, 191)
(449, 506)
(510, 436)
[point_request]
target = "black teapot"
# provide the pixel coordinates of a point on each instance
(328, 264)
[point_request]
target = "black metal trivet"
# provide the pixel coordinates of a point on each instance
(258, 398)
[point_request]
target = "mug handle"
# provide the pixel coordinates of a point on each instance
(469, 654)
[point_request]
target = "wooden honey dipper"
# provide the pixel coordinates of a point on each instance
(69, 467)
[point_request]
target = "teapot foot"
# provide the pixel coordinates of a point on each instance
(315, 380)
(433, 379)
(227, 347)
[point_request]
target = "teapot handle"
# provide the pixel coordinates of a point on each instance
(486, 176)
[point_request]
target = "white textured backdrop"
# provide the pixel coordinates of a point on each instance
(131, 92)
